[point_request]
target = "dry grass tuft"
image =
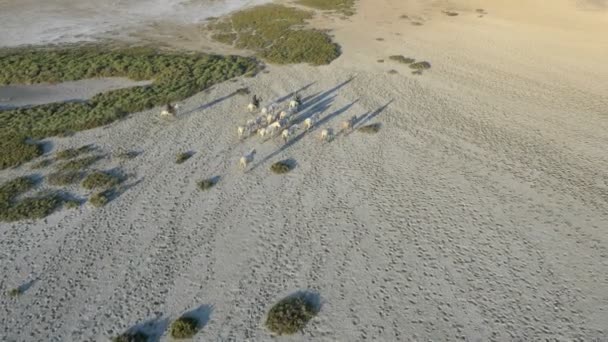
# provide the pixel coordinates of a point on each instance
(370, 129)
(184, 327)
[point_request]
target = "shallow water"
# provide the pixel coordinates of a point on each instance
(60, 21)
(36, 94)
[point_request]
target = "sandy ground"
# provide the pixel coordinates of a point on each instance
(477, 213)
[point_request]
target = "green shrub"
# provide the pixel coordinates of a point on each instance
(344, 6)
(370, 129)
(42, 164)
(420, 65)
(71, 204)
(15, 150)
(182, 157)
(100, 199)
(64, 178)
(127, 155)
(402, 59)
(289, 315)
(243, 91)
(36, 207)
(281, 167)
(206, 184)
(100, 180)
(184, 327)
(16, 292)
(175, 76)
(275, 32)
(74, 152)
(79, 164)
(32, 208)
(137, 336)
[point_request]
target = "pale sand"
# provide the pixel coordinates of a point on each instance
(478, 211)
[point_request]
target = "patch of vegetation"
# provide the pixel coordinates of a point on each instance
(100, 180)
(42, 164)
(290, 315)
(101, 198)
(380, 61)
(450, 13)
(127, 155)
(343, 6)
(16, 292)
(370, 129)
(15, 149)
(34, 208)
(275, 32)
(420, 65)
(79, 164)
(281, 167)
(71, 204)
(206, 184)
(137, 336)
(184, 327)
(393, 72)
(401, 59)
(182, 157)
(380, 39)
(71, 153)
(64, 178)
(243, 91)
(175, 76)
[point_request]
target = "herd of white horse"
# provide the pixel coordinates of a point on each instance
(272, 121)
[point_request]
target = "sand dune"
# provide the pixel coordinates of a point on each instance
(477, 212)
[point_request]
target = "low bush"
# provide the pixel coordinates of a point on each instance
(137, 336)
(370, 129)
(79, 164)
(42, 164)
(71, 204)
(14, 209)
(100, 180)
(74, 152)
(100, 199)
(290, 315)
(16, 292)
(402, 59)
(281, 167)
(420, 65)
(15, 150)
(182, 157)
(206, 184)
(64, 178)
(184, 327)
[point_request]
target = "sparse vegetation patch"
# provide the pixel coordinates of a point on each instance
(79, 164)
(182, 157)
(15, 149)
(275, 32)
(100, 180)
(420, 65)
(184, 327)
(290, 315)
(100, 199)
(14, 209)
(74, 152)
(281, 167)
(370, 129)
(64, 178)
(175, 76)
(402, 59)
(206, 184)
(137, 336)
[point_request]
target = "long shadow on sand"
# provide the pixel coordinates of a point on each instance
(363, 119)
(208, 104)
